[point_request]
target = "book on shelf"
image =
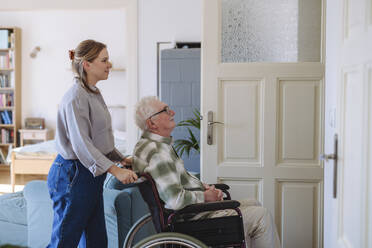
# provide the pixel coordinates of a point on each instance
(8, 159)
(2, 157)
(6, 100)
(5, 61)
(5, 80)
(6, 117)
(4, 38)
(7, 136)
(12, 40)
(3, 118)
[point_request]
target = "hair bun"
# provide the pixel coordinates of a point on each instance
(71, 54)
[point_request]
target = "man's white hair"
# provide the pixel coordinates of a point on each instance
(144, 109)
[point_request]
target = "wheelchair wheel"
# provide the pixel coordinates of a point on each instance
(168, 239)
(128, 243)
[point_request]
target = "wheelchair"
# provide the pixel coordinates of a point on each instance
(175, 227)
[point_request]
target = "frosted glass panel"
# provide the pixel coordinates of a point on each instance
(271, 31)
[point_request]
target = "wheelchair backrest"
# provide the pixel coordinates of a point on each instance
(150, 194)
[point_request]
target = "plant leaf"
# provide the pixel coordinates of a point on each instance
(191, 142)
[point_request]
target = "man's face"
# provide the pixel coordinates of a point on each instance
(164, 121)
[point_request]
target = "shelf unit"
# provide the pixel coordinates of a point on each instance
(10, 87)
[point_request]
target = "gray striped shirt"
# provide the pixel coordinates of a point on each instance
(84, 130)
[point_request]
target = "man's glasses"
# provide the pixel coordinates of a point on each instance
(165, 109)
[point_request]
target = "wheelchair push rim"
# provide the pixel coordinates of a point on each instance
(166, 238)
(128, 243)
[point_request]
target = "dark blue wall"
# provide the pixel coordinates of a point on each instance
(180, 88)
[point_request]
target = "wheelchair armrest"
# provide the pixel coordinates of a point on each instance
(221, 186)
(208, 206)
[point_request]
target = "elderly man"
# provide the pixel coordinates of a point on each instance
(155, 155)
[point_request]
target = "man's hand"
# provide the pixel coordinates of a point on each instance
(212, 194)
(206, 186)
(123, 175)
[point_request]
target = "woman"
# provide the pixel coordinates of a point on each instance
(85, 144)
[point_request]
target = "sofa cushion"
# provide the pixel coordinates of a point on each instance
(117, 203)
(13, 208)
(14, 234)
(39, 213)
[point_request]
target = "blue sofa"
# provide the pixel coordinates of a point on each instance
(26, 217)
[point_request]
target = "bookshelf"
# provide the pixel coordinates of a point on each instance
(10, 87)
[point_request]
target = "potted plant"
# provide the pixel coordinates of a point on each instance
(191, 142)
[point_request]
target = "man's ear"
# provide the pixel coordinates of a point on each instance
(150, 124)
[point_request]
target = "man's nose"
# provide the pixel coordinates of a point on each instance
(172, 112)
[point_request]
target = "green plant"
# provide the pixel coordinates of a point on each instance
(191, 143)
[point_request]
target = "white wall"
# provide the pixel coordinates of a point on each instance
(163, 20)
(65, 4)
(47, 77)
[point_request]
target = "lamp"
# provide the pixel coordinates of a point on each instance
(34, 52)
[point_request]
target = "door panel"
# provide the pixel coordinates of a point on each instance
(351, 162)
(241, 105)
(298, 122)
(299, 213)
(347, 217)
(268, 147)
(242, 188)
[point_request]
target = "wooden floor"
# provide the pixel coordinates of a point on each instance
(21, 180)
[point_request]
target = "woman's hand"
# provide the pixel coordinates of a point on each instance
(123, 175)
(127, 161)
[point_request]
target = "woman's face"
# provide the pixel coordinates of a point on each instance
(99, 68)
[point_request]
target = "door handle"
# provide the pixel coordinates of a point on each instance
(334, 157)
(214, 122)
(210, 124)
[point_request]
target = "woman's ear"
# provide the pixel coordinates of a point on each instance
(86, 65)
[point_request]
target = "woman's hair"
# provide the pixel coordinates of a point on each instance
(144, 109)
(87, 50)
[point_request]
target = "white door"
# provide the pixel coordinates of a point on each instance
(348, 217)
(262, 76)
